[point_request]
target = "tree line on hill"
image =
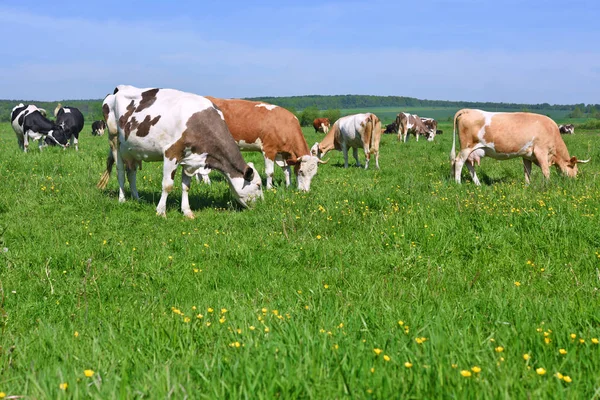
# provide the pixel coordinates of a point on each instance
(307, 108)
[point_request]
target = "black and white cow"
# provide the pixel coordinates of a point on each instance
(71, 120)
(176, 128)
(29, 123)
(98, 128)
(568, 129)
(391, 128)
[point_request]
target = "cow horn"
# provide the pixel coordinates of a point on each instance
(584, 161)
(323, 162)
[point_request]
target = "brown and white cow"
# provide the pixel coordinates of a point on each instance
(533, 137)
(431, 125)
(321, 125)
(359, 130)
(568, 129)
(177, 128)
(98, 128)
(273, 131)
(410, 124)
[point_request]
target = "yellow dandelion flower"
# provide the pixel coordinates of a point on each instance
(562, 351)
(492, 340)
(595, 340)
(465, 373)
(76, 334)
(499, 349)
(400, 323)
(546, 334)
(582, 341)
(517, 283)
(170, 257)
(223, 310)
(264, 310)
(237, 344)
(194, 308)
(196, 270)
(63, 386)
(567, 379)
(539, 329)
(547, 340)
(454, 366)
(89, 373)
(573, 336)
(199, 316)
(252, 327)
(186, 319)
(386, 357)
(408, 364)
(267, 330)
(326, 286)
(306, 307)
(540, 371)
(222, 320)
(208, 323)
(318, 237)
(239, 331)
(476, 369)
(559, 375)
(377, 351)
(341, 325)
(526, 356)
(210, 310)
(372, 370)
(2, 395)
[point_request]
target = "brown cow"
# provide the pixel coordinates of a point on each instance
(533, 137)
(273, 131)
(359, 130)
(410, 124)
(321, 125)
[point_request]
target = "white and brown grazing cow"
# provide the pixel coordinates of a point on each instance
(568, 129)
(533, 137)
(410, 124)
(353, 131)
(431, 126)
(176, 128)
(273, 131)
(321, 125)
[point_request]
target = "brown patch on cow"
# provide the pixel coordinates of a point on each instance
(173, 173)
(131, 125)
(125, 117)
(105, 111)
(145, 125)
(148, 98)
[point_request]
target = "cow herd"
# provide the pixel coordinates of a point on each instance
(201, 134)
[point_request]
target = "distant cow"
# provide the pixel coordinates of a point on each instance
(98, 128)
(410, 124)
(71, 120)
(533, 137)
(177, 128)
(273, 131)
(29, 123)
(321, 125)
(355, 131)
(439, 131)
(391, 128)
(431, 125)
(568, 129)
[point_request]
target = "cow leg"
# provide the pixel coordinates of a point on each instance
(205, 177)
(459, 161)
(25, 142)
(131, 177)
(186, 180)
(542, 161)
(355, 155)
(471, 168)
(286, 169)
(417, 136)
(41, 143)
(345, 153)
(169, 170)
(269, 170)
(527, 168)
(367, 157)
(74, 141)
(121, 178)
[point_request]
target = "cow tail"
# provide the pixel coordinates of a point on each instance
(454, 128)
(375, 134)
(110, 161)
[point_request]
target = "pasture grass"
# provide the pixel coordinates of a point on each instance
(319, 295)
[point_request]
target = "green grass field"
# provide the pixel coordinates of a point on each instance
(395, 283)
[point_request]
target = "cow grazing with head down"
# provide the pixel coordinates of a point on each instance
(71, 120)
(391, 128)
(176, 128)
(98, 128)
(568, 129)
(533, 137)
(321, 125)
(273, 131)
(29, 123)
(353, 131)
(431, 126)
(411, 124)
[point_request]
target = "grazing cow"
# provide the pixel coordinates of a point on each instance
(533, 137)
(439, 131)
(98, 128)
(359, 130)
(431, 125)
(391, 128)
(71, 120)
(273, 131)
(410, 124)
(177, 128)
(29, 123)
(569, 129)
(321, 125)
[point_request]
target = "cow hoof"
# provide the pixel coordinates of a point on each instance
(161, 214)
(189, 214)
(121, 199)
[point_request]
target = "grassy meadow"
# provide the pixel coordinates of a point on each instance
(395, 283)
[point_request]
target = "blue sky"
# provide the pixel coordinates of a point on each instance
(511, 51)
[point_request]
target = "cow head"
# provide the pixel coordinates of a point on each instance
(316, 150)
(305, 168)
(247, 188)
(570, 169)
(59, 136)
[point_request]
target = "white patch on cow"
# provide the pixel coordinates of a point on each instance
(488, 121)
(245, 191)
(267, 106)
(221, 114)
(194, 163)
(269, 171)
(306, 172)
(254, 146)
(314, 150)
(66, 110)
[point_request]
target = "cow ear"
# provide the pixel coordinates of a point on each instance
(292, 161)
(573, 161)
(248, 174)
